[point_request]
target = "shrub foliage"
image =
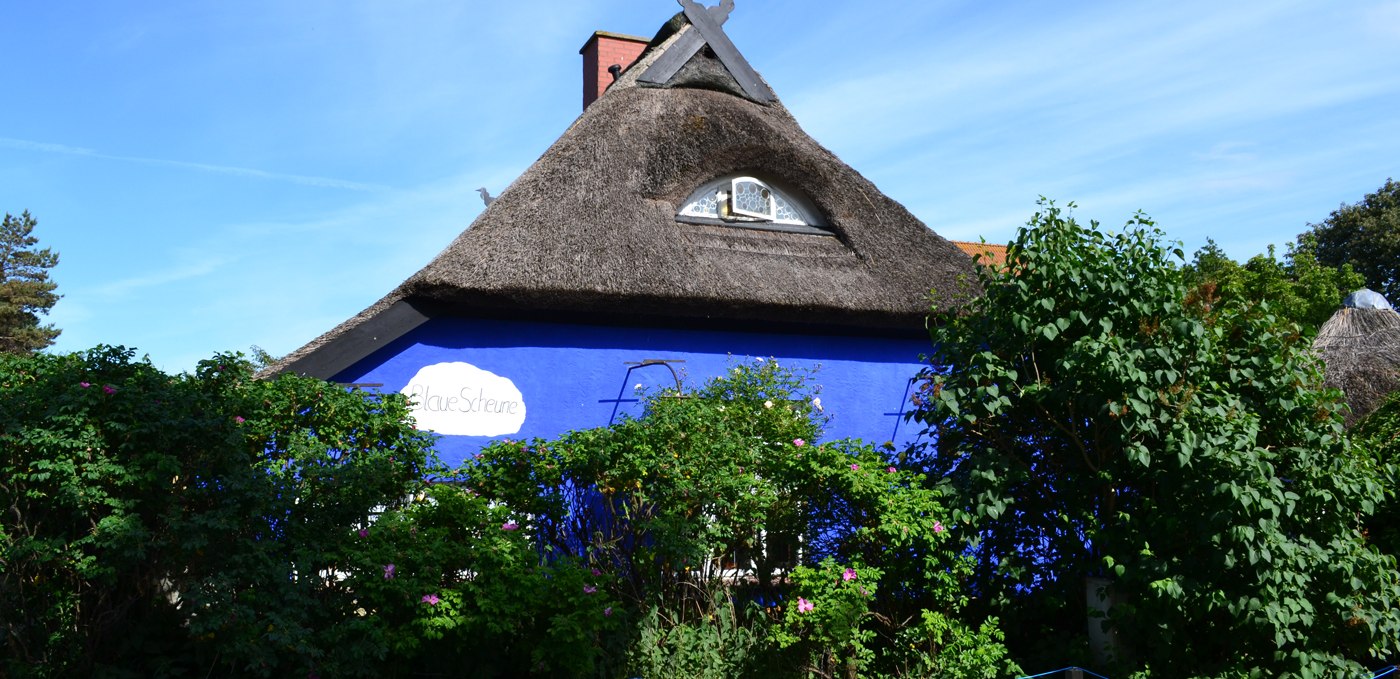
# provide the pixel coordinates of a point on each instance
(1101, 429)
(198, 524)
(216, 525)
(731, 543)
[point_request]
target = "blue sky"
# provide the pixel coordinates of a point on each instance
(216, 175)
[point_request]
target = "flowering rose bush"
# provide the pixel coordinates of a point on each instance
(720, 516)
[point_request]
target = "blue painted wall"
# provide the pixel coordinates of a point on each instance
(573, 376)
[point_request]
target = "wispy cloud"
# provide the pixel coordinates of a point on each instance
(304, 180)
(46, 148)
(1384, 19)
(184, 272)
(1204, 115)
(1240, 122)
(1228, 152)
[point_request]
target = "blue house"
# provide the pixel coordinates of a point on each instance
(682, 222)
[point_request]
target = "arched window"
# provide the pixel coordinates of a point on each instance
(752, 203)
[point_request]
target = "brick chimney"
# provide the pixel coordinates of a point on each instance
(603, 51)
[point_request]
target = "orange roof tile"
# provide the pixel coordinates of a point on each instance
(991, 253)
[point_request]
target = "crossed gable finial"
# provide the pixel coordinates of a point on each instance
(707, 21)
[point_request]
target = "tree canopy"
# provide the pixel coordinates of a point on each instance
(1106, 435)
(25, 289)
(1298, 289)
(1366, 235)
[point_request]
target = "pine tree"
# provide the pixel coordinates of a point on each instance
(25, 288)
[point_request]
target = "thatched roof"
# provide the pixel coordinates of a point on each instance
(591, 227)
(1360, 351)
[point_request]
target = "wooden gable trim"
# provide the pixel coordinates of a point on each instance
(364, 339)
(726, 51)
(685, 47)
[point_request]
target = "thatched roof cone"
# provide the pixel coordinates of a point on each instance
(1360, 351)
(591, 227)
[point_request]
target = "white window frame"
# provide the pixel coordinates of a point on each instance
(719, 195)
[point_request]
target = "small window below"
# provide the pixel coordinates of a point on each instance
(751, 203)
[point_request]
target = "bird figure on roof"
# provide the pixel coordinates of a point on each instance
(486, 196)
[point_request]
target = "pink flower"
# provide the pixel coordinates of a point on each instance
(799, 443)
(364, 533)
(849, 575)
(238, 419)
(596, 572)
(938, 527)
(804, 605)
(510, 525)
(855, 467)
(890, 470)
(388, 571)
(607, 611)
(85, 385)
(431, 599)
(108, 389)
(589, 589)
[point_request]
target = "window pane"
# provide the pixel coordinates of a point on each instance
(704, 206)
(752, 198)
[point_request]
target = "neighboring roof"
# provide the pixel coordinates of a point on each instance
(590, 228)
(986, 254)
(1360, 351)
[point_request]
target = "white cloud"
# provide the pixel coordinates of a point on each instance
(304, 180)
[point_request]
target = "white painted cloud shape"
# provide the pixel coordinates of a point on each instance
(461, 399)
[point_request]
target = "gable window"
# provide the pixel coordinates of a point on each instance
(749, 202)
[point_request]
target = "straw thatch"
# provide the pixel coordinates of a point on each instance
(1360, 351)
(591, 227)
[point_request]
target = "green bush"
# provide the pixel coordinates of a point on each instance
(741, 545)
(1379, 436)
(1100, 429)
(162, 525)
(215, 525)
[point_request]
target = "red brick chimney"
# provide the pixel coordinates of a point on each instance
(603, 51)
